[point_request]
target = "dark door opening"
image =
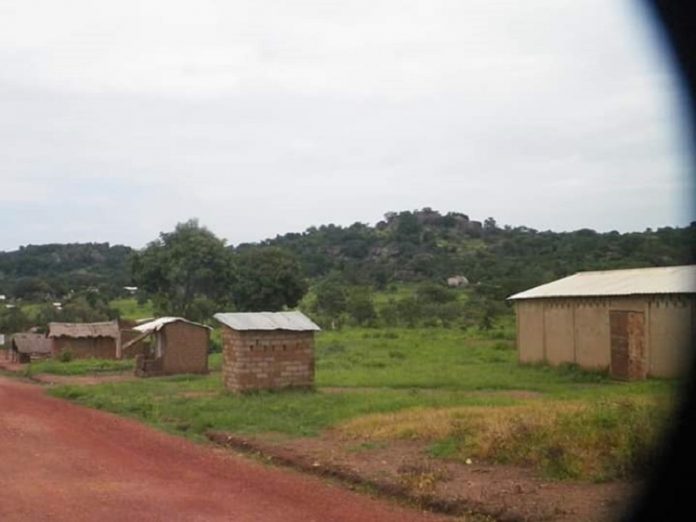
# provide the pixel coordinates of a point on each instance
(627, 331)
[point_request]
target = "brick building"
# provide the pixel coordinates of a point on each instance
(84, 340)
(176, 346)
(267, 350)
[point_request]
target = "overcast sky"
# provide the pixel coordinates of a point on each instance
(120, 119)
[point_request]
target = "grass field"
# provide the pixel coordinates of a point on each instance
(130, 309)
(78, 366)
(460, 392)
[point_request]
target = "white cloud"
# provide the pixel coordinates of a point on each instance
(265, 117)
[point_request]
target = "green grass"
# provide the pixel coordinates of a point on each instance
(436, 358)
(78, 366)
(596, 440)
(402, 377)
(215, 362)
(201, 403)
(130, 309)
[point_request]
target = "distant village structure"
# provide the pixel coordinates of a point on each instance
(27, 346)
(636, 323)
(267, 350)
(177, 346)
(457, 281)
(83, 340)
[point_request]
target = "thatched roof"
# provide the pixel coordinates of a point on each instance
(76, 330)
(31, 343)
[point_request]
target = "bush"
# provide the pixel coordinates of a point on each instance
(66, 356)
(215, 345)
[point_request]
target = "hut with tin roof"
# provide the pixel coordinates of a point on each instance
(635, 323)
(176, 345)
(267, 350)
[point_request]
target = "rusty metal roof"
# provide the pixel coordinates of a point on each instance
(104, 329)
(632, 281)
(159, 323)
(295, 321)
(31, 343)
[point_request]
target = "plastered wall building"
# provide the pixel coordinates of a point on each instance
(634, 323)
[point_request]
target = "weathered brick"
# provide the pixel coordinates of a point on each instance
(267, 360)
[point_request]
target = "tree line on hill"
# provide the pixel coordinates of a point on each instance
(355, 273)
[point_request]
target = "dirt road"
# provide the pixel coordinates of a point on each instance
(59, 461)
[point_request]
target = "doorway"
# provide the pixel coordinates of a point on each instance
(627, 330)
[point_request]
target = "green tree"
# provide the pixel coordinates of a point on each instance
(360, 305)
(186, 272)
(331, 298)
(13, 320)
(270, 279)
(86, 309)
(430, 292)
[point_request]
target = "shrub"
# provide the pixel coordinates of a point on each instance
(65, 356)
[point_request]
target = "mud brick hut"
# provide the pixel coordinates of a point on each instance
(84, 340)
(177, 346)
(636, 323)
(267, 350)
(27, 346)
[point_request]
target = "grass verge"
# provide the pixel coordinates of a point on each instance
(78, 366)
(598, 440)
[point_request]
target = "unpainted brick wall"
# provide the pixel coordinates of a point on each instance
(264, 360)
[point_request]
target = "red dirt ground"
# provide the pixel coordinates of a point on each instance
(403, 468)
(62, 462)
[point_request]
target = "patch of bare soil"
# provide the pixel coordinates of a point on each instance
(65, 463)
(12, 367)
(404, 470)
(46, 378)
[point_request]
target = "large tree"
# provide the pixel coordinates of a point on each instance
(188, 272)
(270, 279)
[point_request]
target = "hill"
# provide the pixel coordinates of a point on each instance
(425, 245)
(405, 247)
(42, 272)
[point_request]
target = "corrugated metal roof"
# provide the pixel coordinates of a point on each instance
(295, 321)
(31, 343)
(159, 323)
(633, 281)
(105, 329)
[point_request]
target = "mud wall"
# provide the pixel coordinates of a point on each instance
(185, 348)
(85, 347)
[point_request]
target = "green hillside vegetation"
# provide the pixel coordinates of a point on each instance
(392, 274)
(51, 272)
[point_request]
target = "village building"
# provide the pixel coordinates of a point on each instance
(267, 350)
(176, 346)
(635, 323)
(27, 346)
(85, 340)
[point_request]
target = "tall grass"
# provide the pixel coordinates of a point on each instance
(599, 440)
